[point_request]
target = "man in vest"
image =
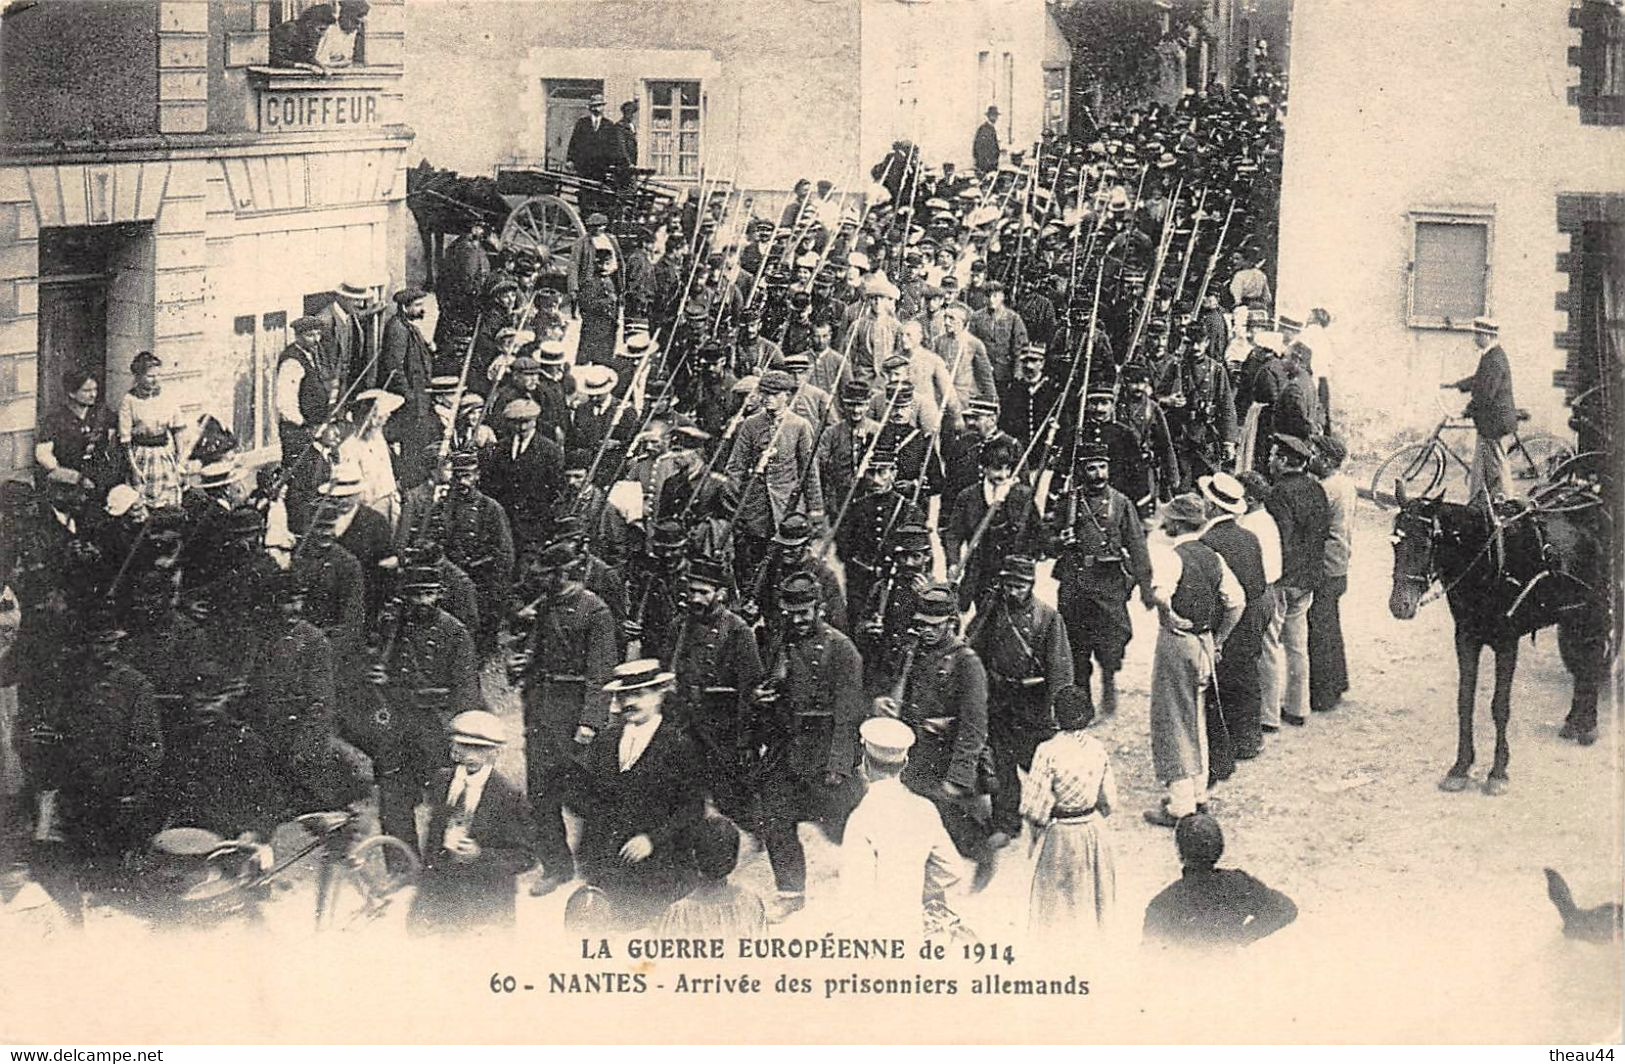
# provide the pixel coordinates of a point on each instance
(1198, 601)
(307, 388)
(1234, 732)
(1492, 409)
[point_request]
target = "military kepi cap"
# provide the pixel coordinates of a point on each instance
(937, 603)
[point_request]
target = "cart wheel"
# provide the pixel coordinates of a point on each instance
(547, 227)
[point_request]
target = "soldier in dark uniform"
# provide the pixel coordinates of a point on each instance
(920, 474)
(462, 277)
(717, 666)
(113, 742)
(659, 591)
(1023, 646)
(596, 574)
(943, 697)
(885, 631)
(791, 554)
(427, 673)
(1013, 527)
(808, 708)
(962, 450)
(1203, 419)
(169, 644)
(843, 446)
(568, 656)
(479, 542)
(708, 391)
(864, 537)
(1100, 557)
(1030, 397)
(291, 701)
(1154, 476)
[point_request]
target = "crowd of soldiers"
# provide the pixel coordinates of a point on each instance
(737, 481)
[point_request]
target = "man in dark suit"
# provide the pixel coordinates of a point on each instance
(627, 127)
(345, 331)
(640, 797)
(1492, 409)
(405, 365)
(479, 835)
(524, 471)
(595, 143)
(985, 148)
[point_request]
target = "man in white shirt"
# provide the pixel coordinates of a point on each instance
(1198, 602)
(897, 862)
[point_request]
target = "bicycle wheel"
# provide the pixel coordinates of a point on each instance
(371, 881)
(1534, 458)
(1420, 467)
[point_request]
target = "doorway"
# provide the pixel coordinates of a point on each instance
(565, 100)
(95, 306)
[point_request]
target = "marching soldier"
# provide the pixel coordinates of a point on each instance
(886, 632)
(809, 707)
(864, 537)
(1204, 410)
(1157, 472)
(113, 740)
(842, 449)
(1030, 397)
(791, 554)
(426, 673)
(962, 451)
(772, 463)
(717, 668)
(999, 510)
(659, 590)
(478, 541)
(1023, 646)
(1100, 557)
(942, 694)
(569, 655)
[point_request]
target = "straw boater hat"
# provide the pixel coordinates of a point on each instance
(638, 675)
(595, 379)
(1224, 491)
(220, 474)
(354, 289)
(385, 402)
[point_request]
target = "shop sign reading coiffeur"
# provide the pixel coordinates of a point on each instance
(299, 112)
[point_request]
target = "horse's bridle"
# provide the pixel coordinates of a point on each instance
(1433, 530)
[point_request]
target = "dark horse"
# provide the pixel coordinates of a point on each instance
(1553, 569)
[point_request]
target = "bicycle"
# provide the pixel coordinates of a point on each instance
(236, 874)
(1433, 466)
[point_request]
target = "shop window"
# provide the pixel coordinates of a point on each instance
(1449, 267)
(1600, 96)
(675, 112)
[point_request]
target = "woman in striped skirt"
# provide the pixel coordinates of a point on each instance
(149, 427)
(1067, 797)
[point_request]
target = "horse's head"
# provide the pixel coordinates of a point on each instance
(1415, 535)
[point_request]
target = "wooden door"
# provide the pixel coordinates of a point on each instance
(566, 102)
(72, 332)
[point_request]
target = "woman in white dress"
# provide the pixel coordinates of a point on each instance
(150, 426)
(367, 452)
(1066, 798)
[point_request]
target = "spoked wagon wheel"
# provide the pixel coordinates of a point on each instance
(547, 227)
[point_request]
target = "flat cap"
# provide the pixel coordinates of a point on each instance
(776, 380)
(478, 727)
(522, 410)
(408, 296)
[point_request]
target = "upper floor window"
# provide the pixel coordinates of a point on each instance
(1449, 267)
(321, 36)
(674, 128)
(1600, 96)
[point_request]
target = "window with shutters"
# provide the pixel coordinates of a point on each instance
(674, 128)
(1449, 267)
